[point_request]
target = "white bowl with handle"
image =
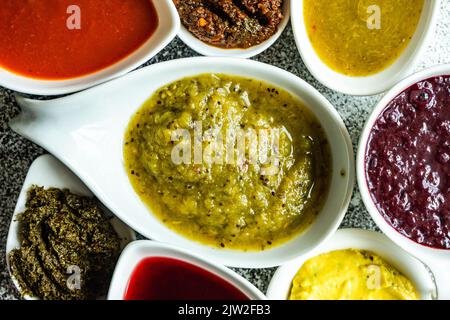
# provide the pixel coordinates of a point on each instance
(86, 132)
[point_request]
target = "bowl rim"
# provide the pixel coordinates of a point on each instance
(163, 35)
(343, 151)
(359, 239)
(407, 244)
(209, 50)
(138, 250)
(366, 85)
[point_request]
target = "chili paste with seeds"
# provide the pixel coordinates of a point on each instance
(63, 234)
(231, 23)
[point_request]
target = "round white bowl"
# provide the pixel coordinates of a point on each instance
(372, 84)
(167, 29)
(208, 50)
(87, 129)
(48, 172)
(413, 269)
(437, 259)
(136, 251)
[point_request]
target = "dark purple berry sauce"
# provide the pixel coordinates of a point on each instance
(408, 162)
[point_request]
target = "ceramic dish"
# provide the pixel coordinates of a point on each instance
(138, 250)
(208, 50)
(86, 132)
(368, 85)
(280, 285)
(167, 29)
(48, 172)
(437, 259)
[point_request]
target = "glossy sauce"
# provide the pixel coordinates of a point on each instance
(223, 204)
(408, 162)
(346, 38)
(160, 278)
(36, 42)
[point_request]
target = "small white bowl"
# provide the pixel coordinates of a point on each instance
(48, 172)
(437, 259)
(208, 50)
(372, 84)
(86, 132)
(136, 251)
(413, 269)
(169, 24)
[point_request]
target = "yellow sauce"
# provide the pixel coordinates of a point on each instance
(355, 38)
(350, 275)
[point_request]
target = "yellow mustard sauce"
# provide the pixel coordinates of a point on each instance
(361, 37)
(350, 275)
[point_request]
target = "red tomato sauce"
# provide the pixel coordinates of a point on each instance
(159, 278)
(35, 40)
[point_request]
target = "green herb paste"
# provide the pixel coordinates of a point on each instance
(61, 234)
(223, 204)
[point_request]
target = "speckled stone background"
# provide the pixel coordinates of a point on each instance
(16, 153)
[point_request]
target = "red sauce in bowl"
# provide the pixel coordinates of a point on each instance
(36, 42)
(408, 162)
(160, 278)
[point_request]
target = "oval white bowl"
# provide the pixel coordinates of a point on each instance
(168, 27)
(139, 250)
(413, 269)
(48, 172)
(208, 50)
(368, 85)
(437, 259)
(86, 132)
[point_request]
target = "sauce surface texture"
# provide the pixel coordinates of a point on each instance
(339, 32)
(36, 41)
(60, 233)
(350, 275)
(160, 278)
(229, 205)
(408, 162)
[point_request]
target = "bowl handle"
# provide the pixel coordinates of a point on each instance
(441, 271)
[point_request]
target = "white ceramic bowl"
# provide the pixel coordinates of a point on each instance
(372, 84)
(86, 132)
(208, 50)
(280, 285)
(48, 172)
(437, 259)
(168, 27)
(136, 251)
